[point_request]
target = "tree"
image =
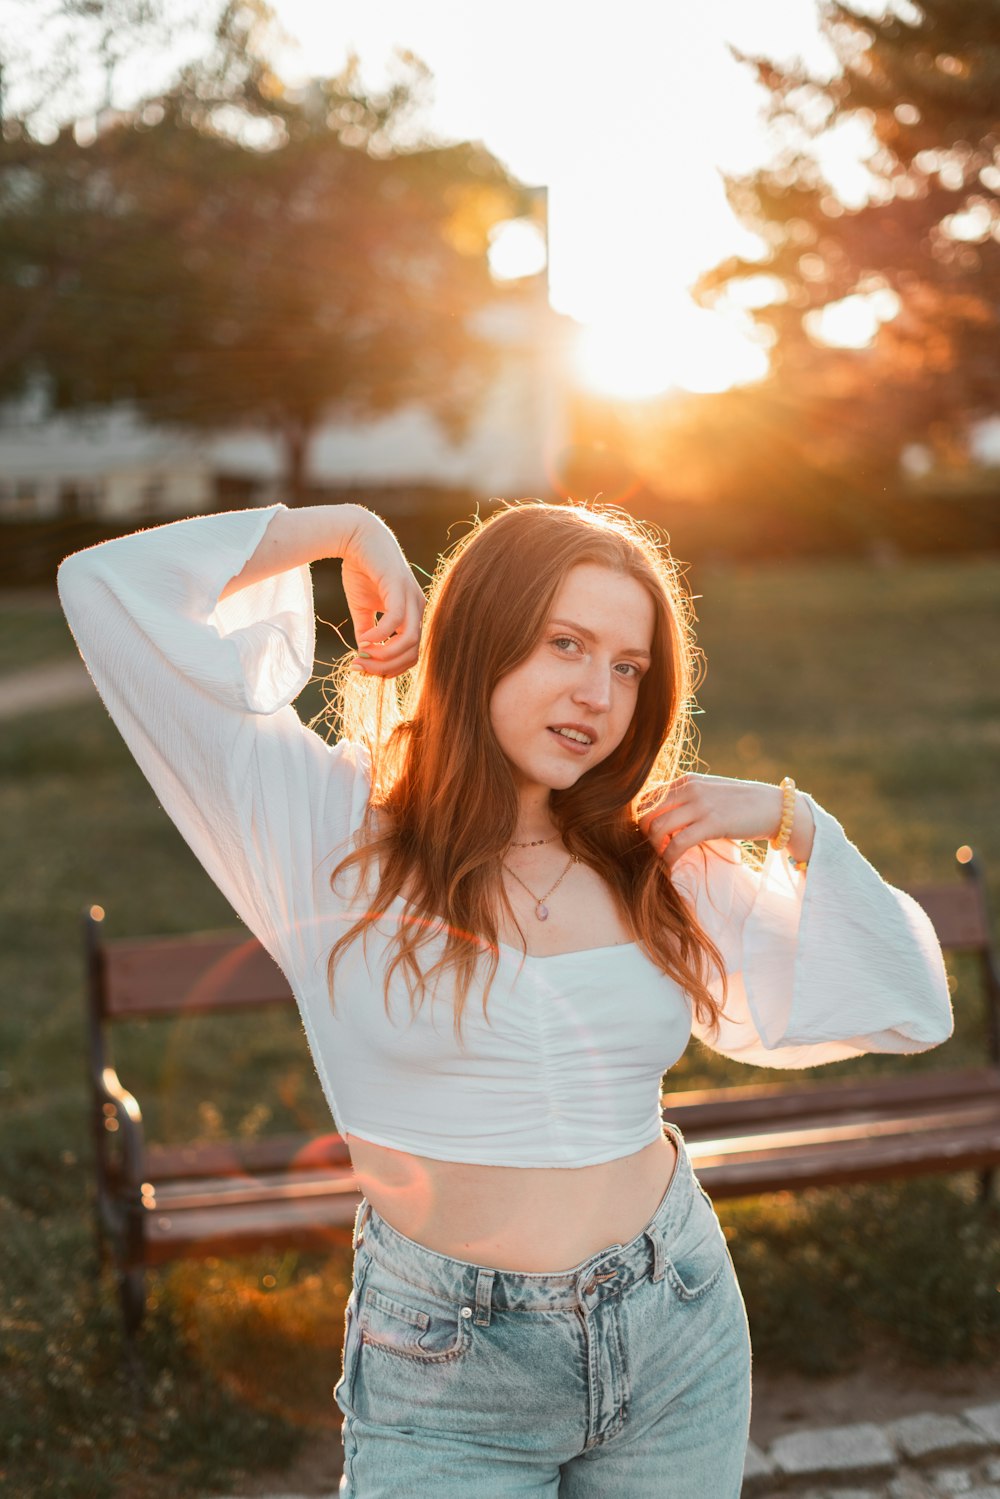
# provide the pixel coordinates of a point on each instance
(925, 82)
(233, 254)
(62, 52)
(62, 59)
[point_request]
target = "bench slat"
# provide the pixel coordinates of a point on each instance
(958, 914)
(186, 975)
(218, 1158)
(808, 1132)
(698, 1111)
(867, 1159)
(224, 970)
(742, 1151)
(736, 1157)
(309, 1212)
(228, 1192)
(312, 1223)
(907, 1120)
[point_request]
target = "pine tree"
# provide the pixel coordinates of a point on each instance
(926, 81)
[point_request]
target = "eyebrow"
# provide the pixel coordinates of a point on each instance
(570, 624)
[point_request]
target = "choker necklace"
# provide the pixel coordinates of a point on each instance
(535, 842)
(541, 909)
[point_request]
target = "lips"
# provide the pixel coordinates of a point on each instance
(575, 745)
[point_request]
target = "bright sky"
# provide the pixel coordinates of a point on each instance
(627, 122)
(628, 119)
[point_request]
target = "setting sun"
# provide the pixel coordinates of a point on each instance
(689, 349)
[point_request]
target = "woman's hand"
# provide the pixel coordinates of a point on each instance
(696, 808)
(385, 600)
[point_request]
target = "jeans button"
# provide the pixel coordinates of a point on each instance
(466, 1311)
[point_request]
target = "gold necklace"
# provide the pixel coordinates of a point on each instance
(541, 909)
(535, 842)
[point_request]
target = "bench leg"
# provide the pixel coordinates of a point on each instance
(100, 1246)
(132, 1291)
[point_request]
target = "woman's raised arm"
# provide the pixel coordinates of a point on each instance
(383, 596)
(199, 635)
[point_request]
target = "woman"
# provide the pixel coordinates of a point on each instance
(503, 909)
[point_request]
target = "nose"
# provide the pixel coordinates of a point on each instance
(593, 688)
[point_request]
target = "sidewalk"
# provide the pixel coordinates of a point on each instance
(42, 687)
(923, 1456)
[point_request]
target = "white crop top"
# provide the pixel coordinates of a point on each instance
(565, 1070)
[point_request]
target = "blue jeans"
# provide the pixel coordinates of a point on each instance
(627, 1376)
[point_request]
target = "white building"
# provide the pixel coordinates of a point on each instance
(106, 464)
(112, 463)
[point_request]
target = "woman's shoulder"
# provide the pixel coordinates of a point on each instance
(353, 755)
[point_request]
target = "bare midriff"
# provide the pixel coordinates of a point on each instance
(513, 1217)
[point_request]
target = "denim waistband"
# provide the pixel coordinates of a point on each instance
(610, 1271)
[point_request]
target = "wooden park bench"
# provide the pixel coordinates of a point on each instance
(157, 1203)
(772, 1137)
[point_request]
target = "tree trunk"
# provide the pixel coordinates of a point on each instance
(296, 439)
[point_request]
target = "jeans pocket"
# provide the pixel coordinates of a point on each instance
(344, 1388)
(700, 1254)
(420, 1329)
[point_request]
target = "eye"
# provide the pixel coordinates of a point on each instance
(561, 641)
(631, 672)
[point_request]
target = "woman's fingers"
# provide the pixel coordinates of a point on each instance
(378, 581)
(648, 818)
(387, 663)
(672, 801)
(710, 807)
(400, 611)
(677, 845)
(673, 833)
(663, 833)
(392, 646)
(663, 829)
(672, 825)
(391, 623)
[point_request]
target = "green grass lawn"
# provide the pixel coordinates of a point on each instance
(32, 631)
(879, 690)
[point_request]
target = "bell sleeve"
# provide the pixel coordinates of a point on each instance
(820, 966)
(201, 688)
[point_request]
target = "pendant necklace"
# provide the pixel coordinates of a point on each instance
(541, 909)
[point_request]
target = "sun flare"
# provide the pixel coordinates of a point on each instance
(694, 350)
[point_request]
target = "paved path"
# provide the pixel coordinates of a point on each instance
(43, 687)
(916, 1457)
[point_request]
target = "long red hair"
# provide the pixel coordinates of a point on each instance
(444, 806)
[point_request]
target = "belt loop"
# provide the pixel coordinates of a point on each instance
(363, 1214)
(484, 1297)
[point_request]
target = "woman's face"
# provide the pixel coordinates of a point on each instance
(582, 677)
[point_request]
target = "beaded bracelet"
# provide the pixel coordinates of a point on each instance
(784, 832)
(799, 865)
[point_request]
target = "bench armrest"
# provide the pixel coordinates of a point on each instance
(120, 1115)
(114, 1111)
